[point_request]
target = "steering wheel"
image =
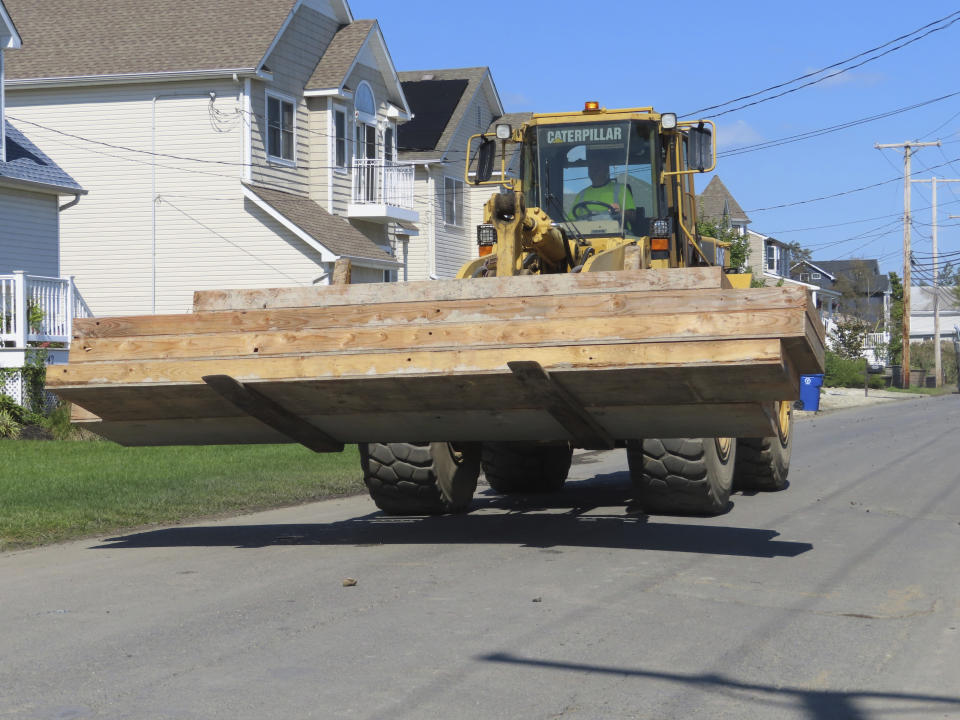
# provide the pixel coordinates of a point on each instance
(587, 213)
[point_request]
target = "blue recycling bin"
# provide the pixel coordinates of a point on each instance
(810, 391)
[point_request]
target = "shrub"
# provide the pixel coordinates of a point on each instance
(844, 372)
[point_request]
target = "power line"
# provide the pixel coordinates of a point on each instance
(944, 19)
(831, 129)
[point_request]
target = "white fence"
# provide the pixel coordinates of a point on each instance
(36, 309)
(382, 182)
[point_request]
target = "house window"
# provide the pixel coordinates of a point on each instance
(388, 148)
(340, 137)
(804, 277)
(280, 128)
(773, 258)
(453, 202)
(815, 276)
(363, 100)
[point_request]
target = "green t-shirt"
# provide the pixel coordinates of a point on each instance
(607, 194)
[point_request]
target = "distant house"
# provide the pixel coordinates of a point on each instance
(716, 204)
(448, 106)
(922, 312)
(864, 289)
(37, 304)
(224, 145)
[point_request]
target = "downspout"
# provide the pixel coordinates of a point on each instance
(67, 206)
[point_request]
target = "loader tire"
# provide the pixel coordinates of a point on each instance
(515, 467)
(685, 476)
(421, 478)
(763, 463)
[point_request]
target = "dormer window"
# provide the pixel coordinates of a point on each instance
(281, 128)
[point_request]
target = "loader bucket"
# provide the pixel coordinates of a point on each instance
(592, 359)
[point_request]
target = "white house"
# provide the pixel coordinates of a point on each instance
(222, 146)
(37, 304)
(922, 313)
(448, 106)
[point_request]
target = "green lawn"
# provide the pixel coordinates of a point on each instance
(52, 491)
(942, 390)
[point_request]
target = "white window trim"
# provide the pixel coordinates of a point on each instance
(777, 258)
(273, 159)
(459, 224)
(347, 164)
(364, 117)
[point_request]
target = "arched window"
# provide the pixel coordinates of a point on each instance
(364, 102)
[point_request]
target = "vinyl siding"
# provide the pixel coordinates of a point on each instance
(28, 233)
(291, 62)
(206, 234)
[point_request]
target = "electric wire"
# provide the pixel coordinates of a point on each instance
(952, 18)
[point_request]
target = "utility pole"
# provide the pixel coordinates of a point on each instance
(936, 285)
(907, 152)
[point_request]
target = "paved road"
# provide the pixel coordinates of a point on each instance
(838, 598)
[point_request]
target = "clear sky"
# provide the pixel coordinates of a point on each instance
(552, 56)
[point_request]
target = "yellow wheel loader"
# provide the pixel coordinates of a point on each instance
(594, 316)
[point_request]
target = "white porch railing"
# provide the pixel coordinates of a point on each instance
(382, 182)
(36, 309)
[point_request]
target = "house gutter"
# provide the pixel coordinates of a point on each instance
(40, 186)
(126, 78)
(68, 205)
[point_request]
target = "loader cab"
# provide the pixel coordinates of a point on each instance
(597, 179)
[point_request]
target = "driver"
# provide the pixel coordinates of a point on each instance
(603, 194)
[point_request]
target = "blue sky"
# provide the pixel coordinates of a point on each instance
(552, 56)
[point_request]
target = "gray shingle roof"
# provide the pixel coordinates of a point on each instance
(847, 267)
(716, 201)
(27, 163)
(79, 38)
(338, 58)
(333, 232)
(474, 77)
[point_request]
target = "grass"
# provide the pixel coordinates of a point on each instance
(52, 491)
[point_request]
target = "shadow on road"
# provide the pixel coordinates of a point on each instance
(815, 704)
(584, 514)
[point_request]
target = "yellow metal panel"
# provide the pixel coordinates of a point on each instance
(740, 280)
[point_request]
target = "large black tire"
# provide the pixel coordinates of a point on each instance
(421, 478)
(763, 463)
(688, 476)
(515, 467)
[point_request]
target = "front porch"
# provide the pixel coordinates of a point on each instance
(382, 192)
(37, 312)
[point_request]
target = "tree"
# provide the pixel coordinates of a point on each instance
(798, 253)
(739, 244)
(857, 285)
(896, 319)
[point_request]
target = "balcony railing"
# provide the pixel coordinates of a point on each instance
(382, 190)
(36, 310)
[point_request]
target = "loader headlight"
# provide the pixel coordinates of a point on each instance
(486, 235)
(504, 132)
(668, 121)
(661, 227)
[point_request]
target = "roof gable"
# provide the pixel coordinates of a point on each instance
(116, 38)
(716, 202)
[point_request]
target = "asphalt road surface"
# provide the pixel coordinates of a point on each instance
(838, 598)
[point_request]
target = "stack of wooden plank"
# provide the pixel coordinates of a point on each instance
(590, 358)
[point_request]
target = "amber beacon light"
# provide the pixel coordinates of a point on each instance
(591, 106)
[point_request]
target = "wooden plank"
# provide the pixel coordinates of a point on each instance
(438, 393)
(441, 290)
(787, 323)
(734, 420)
(341, 272)
(270, 413)
(506, 309)
(420, 362)
(565, 409)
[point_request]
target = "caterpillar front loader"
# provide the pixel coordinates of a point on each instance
(594, 316)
